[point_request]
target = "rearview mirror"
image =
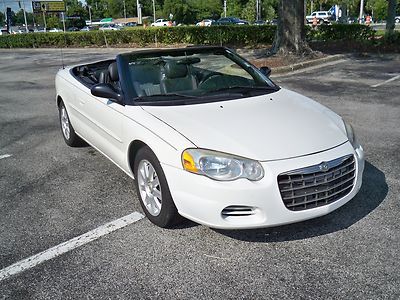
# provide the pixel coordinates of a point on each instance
(266, 71)
(105, 90)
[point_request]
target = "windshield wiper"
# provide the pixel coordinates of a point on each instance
(245, 90)
(164, 97)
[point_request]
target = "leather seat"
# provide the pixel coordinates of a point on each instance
(110, 76)
(146, 79)
(104, 77)
(176, 77)
(113, 72)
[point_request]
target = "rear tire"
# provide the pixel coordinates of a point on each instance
(153, 191)
(68, 132)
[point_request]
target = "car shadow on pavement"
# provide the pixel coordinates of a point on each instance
(373, 191)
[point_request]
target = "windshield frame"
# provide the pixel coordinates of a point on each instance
(123, 61)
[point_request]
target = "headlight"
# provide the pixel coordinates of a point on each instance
(350, 134)
(221, 166)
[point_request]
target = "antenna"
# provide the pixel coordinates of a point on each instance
(62, 52)
(65, 40)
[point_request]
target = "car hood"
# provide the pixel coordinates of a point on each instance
(267, 127)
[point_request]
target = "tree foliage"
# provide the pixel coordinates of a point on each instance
(2, 19)
(249, 11)
(377, 8)
(191, 11)
(180, 10)
(53, 22)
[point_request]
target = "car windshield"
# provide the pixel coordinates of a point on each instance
(189, 77)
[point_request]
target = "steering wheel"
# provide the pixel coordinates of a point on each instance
(209, 77)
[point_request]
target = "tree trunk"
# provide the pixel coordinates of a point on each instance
(391, 14)
(290, 34)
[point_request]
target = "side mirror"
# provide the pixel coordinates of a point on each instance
(266, 71)
(105, 90)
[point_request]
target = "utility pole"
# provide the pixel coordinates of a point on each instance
(154, 11)
(25, 20)
(90, 14)
(44, 21)
(139, 12)
(361, 11)
(63, 20)
(124, 10)
(225, 8)
(258, 10)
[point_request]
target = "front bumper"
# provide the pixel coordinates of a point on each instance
(202, 200)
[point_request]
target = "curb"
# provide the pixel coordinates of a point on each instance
(306, 64)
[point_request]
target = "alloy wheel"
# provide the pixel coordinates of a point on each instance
(149, 187)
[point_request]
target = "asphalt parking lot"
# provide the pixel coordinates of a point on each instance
(50, 193)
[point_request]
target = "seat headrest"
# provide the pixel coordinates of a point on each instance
(104, 77)
(113, 71)
(174, 70)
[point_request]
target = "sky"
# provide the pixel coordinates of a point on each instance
(14, 5)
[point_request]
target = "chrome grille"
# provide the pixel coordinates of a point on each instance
(317, 185)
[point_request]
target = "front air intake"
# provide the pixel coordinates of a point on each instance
(238, 211)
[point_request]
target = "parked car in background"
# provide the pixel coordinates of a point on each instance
(131, 24)
(40, 29)
(231, 21)
(73, 29)
(259, 22)
(87, 28)
(106, 27)
(206, 22)
(161, 22)
(18, 30)
(3, 31)
(322, 17)
(351, 20)
(55, 30)
(273, 22)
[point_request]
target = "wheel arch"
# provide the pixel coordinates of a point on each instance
(59, 100)
(133, 149)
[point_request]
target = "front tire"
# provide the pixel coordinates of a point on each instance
(153, 191)
(68, 132)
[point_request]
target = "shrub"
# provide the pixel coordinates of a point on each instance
(344, 32)
(214, 35)
(392, 39)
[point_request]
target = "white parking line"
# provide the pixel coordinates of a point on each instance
(62, 248)
(386, 81)
(5, 156)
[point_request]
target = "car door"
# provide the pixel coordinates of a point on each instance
(103, 120)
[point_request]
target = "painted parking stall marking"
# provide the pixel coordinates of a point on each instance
(67, 246)
(386, 81)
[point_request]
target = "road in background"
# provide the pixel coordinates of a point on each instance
(382, 26)
(51, 193)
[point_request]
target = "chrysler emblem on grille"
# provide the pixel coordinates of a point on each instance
(324, 167)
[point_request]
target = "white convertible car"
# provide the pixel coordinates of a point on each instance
(208, 136)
